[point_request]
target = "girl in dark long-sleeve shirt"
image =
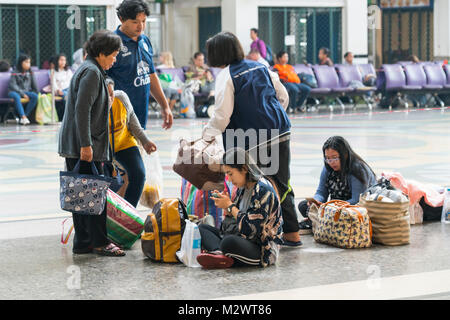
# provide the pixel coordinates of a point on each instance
(22, 88)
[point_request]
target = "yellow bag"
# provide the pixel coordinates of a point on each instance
(44, 109)
(163, 230)
(343, 225)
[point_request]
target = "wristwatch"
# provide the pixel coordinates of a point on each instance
(231, 207)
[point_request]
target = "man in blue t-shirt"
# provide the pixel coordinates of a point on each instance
(134, 71)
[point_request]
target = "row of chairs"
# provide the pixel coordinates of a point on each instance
(407, 81)
(333, 82)
(6, 103)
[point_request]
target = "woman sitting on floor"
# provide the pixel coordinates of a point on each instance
(345, 176)
(251, 232)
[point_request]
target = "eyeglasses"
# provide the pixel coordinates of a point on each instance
(332, 160)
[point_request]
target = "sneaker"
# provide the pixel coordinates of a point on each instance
(305, 227)
(24, 121)
(214, 261)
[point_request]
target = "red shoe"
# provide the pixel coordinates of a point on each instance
(214, 261)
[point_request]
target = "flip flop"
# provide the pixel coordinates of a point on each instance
(292, 243)
(110, 250)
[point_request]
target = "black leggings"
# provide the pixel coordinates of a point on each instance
(244, 252)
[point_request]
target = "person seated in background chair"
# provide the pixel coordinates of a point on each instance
(256, 56)
(172, 94)
(298, 92)
(165, 60)
(345, 175)
(23, 89)
(62, 75)
(198, 70)
(414, 58)
(4, 66)
(324, 57)
(348, 58)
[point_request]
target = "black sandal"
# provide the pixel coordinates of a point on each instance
(111, 250)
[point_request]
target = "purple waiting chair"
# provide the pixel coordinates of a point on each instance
(315, 93)
(4, 99)
(42, 79)
(394, 82)
(327, 77)
(174, 72)
(436, 81)
(349, 73)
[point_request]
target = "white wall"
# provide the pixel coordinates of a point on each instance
(182, 28)
(441, 29)
(355, 33)
(302, 3)
(239, 17)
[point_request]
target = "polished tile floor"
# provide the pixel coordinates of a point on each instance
(415, 143)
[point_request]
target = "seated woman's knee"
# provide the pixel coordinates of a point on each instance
(228, 244)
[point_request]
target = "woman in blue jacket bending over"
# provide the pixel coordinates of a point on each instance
(250, 103)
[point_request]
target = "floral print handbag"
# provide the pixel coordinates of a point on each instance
(343, 225)
(83, 193)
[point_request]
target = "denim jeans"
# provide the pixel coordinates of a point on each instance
(298, 93)
(131, 161)
(19, 107)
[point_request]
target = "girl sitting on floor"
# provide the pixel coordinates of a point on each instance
(253, 232)
(345, 176)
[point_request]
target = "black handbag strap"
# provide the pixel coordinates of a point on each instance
(112, 132)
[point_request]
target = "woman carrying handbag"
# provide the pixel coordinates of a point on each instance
(83, 137)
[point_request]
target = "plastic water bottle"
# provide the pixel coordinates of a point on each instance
(196, 244)
(446, 208)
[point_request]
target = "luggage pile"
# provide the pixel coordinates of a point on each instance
(388, 210)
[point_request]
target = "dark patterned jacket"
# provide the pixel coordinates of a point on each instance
(262, 221)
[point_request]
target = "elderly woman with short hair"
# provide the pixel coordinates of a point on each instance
(84, 134)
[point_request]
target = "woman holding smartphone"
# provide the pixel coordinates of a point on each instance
(255, 213)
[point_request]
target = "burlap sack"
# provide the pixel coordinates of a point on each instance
(390, 221)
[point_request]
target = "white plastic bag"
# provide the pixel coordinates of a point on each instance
(153, 188)
(190, 245)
